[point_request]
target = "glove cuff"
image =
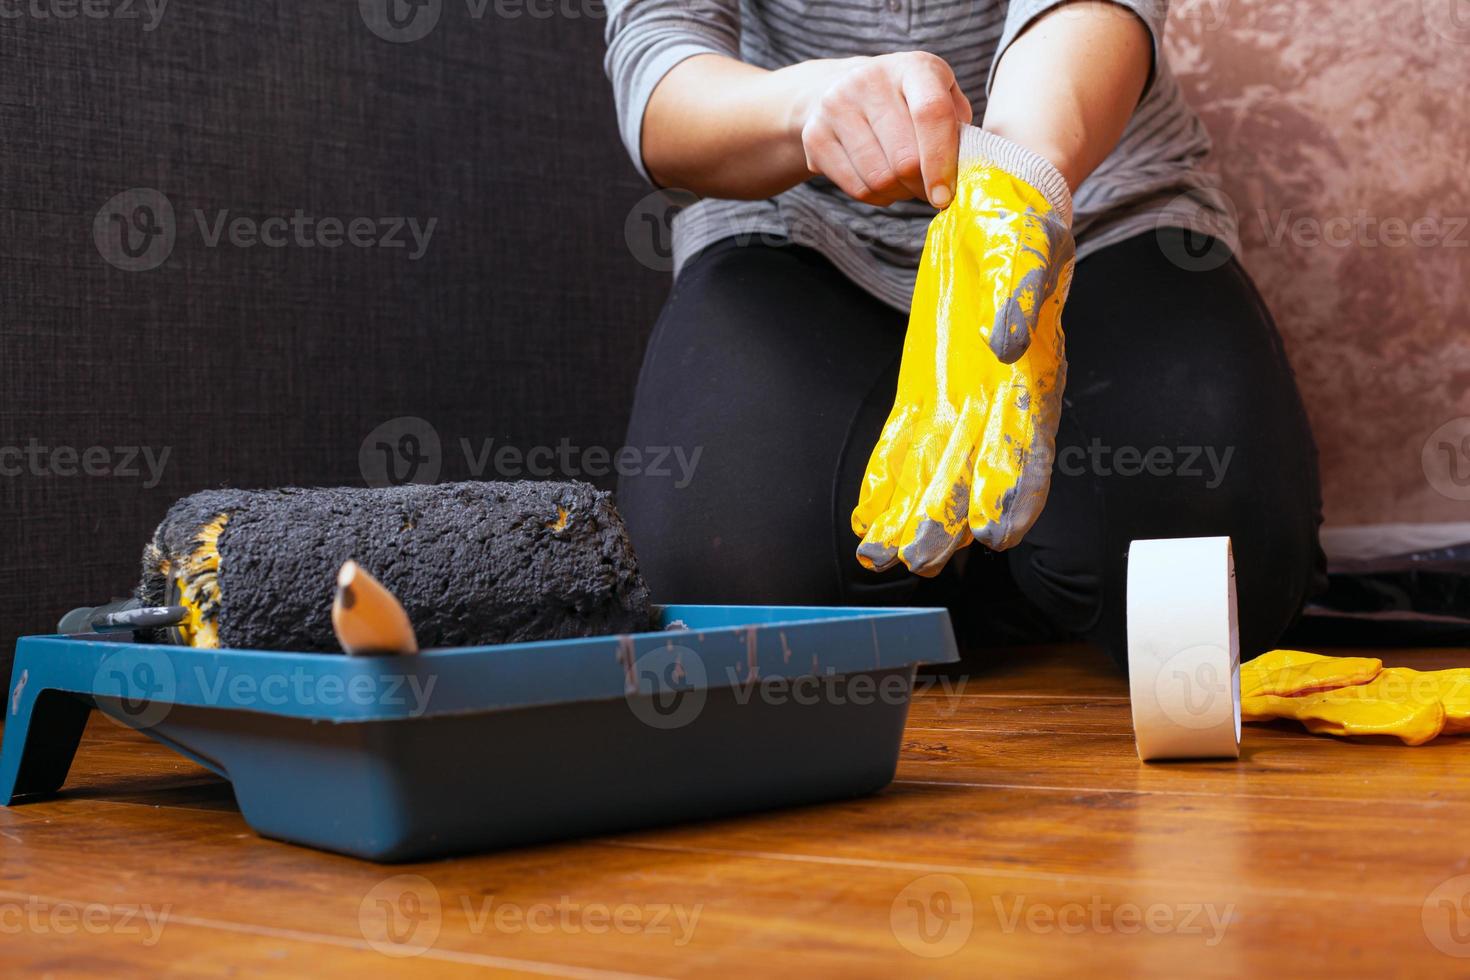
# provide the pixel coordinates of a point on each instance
(979, 146)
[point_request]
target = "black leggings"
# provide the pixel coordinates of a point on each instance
(1181, 418)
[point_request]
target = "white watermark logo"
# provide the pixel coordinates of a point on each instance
(1190, 683)
(666, 686)
(400, 451)
(1445, 457)
(1181, 244)
(1446, 916)
(1450, 19)
(135, 229)
(405, 21)
(140, 685)
(401, 21)
(933, 916)
(401, 916)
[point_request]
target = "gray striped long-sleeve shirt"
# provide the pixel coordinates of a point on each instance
(1150, 180)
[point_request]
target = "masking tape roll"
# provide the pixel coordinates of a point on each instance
(1183, 649)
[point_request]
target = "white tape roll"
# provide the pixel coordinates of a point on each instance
(1183, 649)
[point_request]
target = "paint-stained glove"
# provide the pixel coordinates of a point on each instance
(967, 450)
(1294, 672)
(1353, 696)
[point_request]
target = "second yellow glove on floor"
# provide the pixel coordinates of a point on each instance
(1355, 696)
(967, 451)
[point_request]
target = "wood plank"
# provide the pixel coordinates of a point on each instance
(1069, 669)
(840, 917)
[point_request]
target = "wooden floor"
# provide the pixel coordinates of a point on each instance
(1021, 838)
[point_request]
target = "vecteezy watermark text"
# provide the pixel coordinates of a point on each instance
(302, 230)
(572, 461)
(122, 462)
(572, 917)
(408, 449)
(403, 915)
(648, 229)
(1205, 919)
(934, 916)
(60, 917)
(1189, 462)
(136, 230)
(1363, 230)
(140, 686)
(667, 686)
(150, 12)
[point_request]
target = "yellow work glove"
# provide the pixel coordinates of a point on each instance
(1293, 672)
(1353, 696)
(967, 450)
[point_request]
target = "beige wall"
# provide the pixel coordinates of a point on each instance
(1356, 110)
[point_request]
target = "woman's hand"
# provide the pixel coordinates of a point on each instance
(884, 128)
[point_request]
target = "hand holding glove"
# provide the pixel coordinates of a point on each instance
(967, 451)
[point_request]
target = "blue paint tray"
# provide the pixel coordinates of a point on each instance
(476, 748)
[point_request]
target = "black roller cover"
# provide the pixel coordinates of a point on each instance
(472, 563)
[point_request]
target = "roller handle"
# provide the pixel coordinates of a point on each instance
(118, 616)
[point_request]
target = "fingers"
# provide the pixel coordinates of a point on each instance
(926, 520)
(882, 475)
(866, 155)
(888, 130)
(879, 548)
(939, 525)
(1012, 474)
(1037, 274)
(893, 125)
(994, 489)
(927, 92)
(1015, 316)
(963, 111)
(826, 156)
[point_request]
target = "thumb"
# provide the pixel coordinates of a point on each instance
(1015, 319)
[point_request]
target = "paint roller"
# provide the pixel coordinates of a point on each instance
(367, 619)
(470, 563)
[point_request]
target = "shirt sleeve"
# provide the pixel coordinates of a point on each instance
(647, 38)
(1021, 13)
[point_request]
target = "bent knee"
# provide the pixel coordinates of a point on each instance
(1079, 578)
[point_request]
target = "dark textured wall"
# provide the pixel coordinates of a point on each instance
(522, 322)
